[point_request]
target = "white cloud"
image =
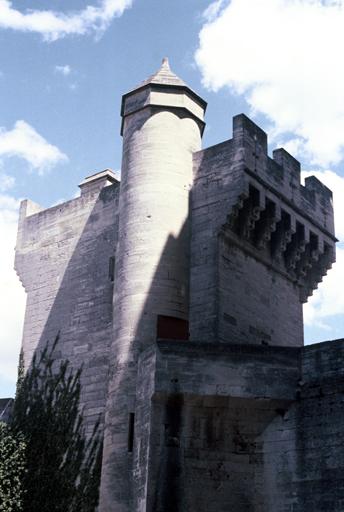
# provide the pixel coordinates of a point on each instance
(63, 70)
(213, 10)
(12, 296)
(23, 141)
(6, 181)
(284, 56)
(54, 25)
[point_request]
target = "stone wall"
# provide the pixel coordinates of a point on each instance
(320, 429)
(253, 429)
(210, 405)
(303, 446)
(215, 189)
(62, 258)
(256, 304)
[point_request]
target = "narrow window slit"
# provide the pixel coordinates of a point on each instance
(112, 268)
(131, 428)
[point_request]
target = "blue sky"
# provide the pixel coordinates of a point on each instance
(63, 71)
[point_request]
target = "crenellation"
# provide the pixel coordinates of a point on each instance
(312, 183)
(247, 133)
(291, 167)
(281, 174)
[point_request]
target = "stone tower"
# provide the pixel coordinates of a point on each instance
(162, 127)
(180, 289)
(261, 241)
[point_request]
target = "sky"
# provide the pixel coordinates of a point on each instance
(64, 69)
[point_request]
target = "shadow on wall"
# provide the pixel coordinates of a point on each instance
(190, 451)
(164, 452)
(63, 262)
(128, 415)
(181, 432)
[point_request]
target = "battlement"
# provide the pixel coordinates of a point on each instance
(287, 224)
(282, 172)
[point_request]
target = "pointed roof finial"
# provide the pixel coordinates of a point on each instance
(165, 64)
(164, 76)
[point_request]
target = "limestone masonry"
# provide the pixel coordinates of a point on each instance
(180, 290)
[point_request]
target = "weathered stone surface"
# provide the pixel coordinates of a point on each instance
(62, 259)
(261, 241)
(180, 291)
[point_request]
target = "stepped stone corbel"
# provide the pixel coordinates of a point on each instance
(246, 212)
(272, 230)
(250, 213)
(252, 216)
(267, 224)
(296, 248)
(314, 276)
(321, 258)
(282, 236)
(304, 264)
(232, 218)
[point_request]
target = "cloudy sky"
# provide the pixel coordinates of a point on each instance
(63, 71)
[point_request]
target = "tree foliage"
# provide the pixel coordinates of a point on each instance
(12, 469)
(63, 465)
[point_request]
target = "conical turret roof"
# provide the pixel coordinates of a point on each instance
(164, 80)
(164, 76)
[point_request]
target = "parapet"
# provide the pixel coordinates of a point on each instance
(287, 224)
(282, 172)
(44, 232)
(246, 131)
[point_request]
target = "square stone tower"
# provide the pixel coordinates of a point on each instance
(180, 289)
(261, 242)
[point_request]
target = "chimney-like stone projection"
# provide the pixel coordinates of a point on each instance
(179, 288)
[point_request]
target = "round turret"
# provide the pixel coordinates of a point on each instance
(162, 128)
